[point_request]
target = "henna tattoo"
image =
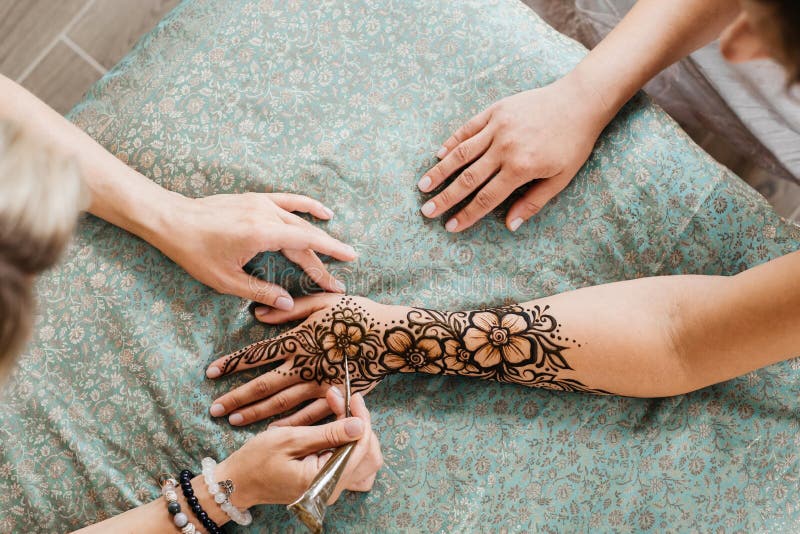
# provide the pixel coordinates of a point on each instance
(510, 344)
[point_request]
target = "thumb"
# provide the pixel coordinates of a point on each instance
(531, 203)
(311, 439)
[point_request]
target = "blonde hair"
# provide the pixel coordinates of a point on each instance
(41, 194)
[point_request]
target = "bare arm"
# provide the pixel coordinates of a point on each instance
(212, 238)
(651, 337)
(651, 37)
(543, 136)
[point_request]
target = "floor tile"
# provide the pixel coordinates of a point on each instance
(62, 78)
(27, 27)
(111, 27)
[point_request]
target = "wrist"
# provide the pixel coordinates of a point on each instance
(245, 494)
(134, 203)
(600, 104)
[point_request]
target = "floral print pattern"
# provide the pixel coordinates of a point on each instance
(347, 102)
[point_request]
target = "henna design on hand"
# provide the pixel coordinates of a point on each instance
(511, 344)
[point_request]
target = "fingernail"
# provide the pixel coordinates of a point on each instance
(213, 372)
(515, 224)
(428, 208)
(328, 212)
(350, 250)
(236, 419)
(425, 183)
(337, 392)
(451, 225)
(284, 303)
(354, 427)
(262, 311)
(442, 152)
(217, 409)
(340, 285)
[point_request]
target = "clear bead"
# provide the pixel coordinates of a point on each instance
(213, 489)
(220, 497)
(171, 496)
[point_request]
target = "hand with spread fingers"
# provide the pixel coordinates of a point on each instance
(542, 137)
(214, 237)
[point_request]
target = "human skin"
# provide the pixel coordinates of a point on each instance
(212, 238)
(273, 467)
(651, 337)
(542, 137)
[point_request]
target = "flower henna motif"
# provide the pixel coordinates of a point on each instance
(496, 338)
(404, 354)
(343, 339)
(510, 344)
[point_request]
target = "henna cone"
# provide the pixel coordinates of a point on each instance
(311, 506)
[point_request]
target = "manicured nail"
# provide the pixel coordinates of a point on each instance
(428, 208)
(451, 225)
(284, 303)
(328, 212)
(354, 427)
(340, 285)
(425, 183)
(217, 410)
(236, 419)
(213, 372)
(442, 152)
(262, 311)
(515, 224)
(337, 392)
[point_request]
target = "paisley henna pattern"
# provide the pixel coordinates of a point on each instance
(511, 344)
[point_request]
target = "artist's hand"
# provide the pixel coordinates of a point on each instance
(276, 466)
(544, 135)
(313, 359)
(212, 238)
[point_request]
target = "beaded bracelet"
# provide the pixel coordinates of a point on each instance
(185, 478)
(221, 491)
(174, 507)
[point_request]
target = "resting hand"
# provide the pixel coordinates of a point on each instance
(312, 356)
(543, 134)
(276, 466)
(212, 238)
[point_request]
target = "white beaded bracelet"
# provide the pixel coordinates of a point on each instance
(221, 492)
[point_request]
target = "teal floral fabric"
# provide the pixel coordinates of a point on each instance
(348, 101)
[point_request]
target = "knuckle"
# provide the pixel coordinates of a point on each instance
(485, 200)
(468, 179)
(329, 435)
(463, 152)
(445, 198)
(282, 403)
(262, 388)
(233, 403)
(531, 206)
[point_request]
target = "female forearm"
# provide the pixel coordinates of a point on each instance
(119, 194)
(650, 337)
(651, 37)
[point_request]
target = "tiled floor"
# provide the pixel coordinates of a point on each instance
(59, 48)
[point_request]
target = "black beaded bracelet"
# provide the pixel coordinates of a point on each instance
(185, 480)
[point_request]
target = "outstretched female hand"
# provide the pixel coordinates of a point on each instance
(543, 134)
(313, 359)
(212, 238)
